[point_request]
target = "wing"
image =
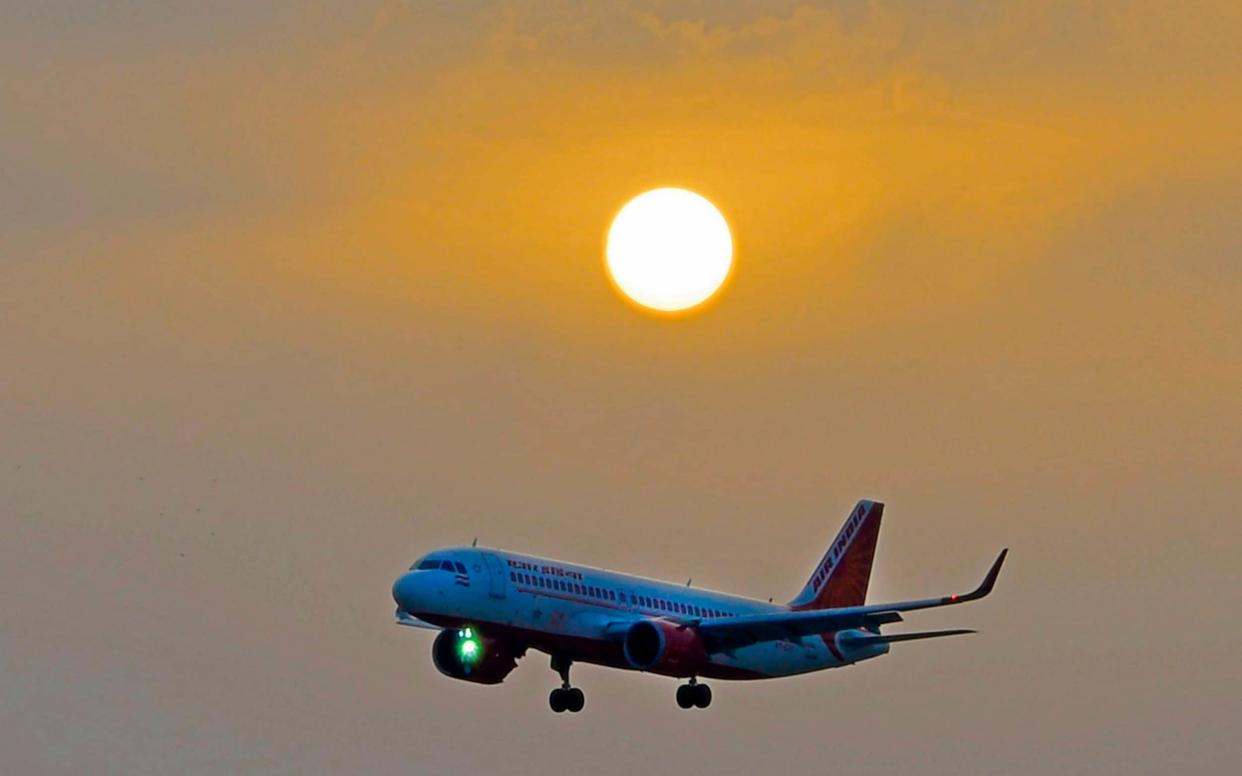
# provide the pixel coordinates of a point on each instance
(414, 622)
(729, 633)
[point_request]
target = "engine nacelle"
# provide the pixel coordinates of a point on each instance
(466, 654)
(664, 647)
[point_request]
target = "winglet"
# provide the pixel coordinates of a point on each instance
(986, 586)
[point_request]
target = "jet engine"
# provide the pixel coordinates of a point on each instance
(466, 654)
(664, 647)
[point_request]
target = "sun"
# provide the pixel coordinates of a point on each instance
(669, 249)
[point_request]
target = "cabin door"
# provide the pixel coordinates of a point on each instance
(495, 576)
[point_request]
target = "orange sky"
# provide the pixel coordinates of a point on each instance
(294, 292)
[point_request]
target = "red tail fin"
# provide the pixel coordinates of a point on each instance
(841, 578)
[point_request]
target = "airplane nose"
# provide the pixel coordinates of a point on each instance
(409, 592)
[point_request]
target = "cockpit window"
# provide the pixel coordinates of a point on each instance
(436, 564)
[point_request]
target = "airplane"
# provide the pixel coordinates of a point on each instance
(491, 606)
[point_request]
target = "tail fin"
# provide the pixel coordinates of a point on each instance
(842, 576)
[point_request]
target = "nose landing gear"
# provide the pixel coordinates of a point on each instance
(565, 697)
(694, 694)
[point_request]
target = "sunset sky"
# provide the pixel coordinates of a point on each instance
(293, 292)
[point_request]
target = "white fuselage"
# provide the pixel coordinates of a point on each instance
(579, 611)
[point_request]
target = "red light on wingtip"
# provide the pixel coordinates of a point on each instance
(953, 597)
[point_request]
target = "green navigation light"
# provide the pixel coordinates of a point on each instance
(468, 647)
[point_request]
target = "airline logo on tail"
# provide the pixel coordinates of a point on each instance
(844, 573)
(839, 547)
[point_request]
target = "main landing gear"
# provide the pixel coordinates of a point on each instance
(694, 694)
(565, 698)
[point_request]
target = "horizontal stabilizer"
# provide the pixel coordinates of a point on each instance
(891, 639)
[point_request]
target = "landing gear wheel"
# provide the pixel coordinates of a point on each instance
(694, 694)
(558, 701)
(565, 697)
(685, 695)
(702, 695)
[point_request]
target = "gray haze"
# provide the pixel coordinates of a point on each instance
(292, 295)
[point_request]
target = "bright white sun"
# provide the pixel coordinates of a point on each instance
(669, 249)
